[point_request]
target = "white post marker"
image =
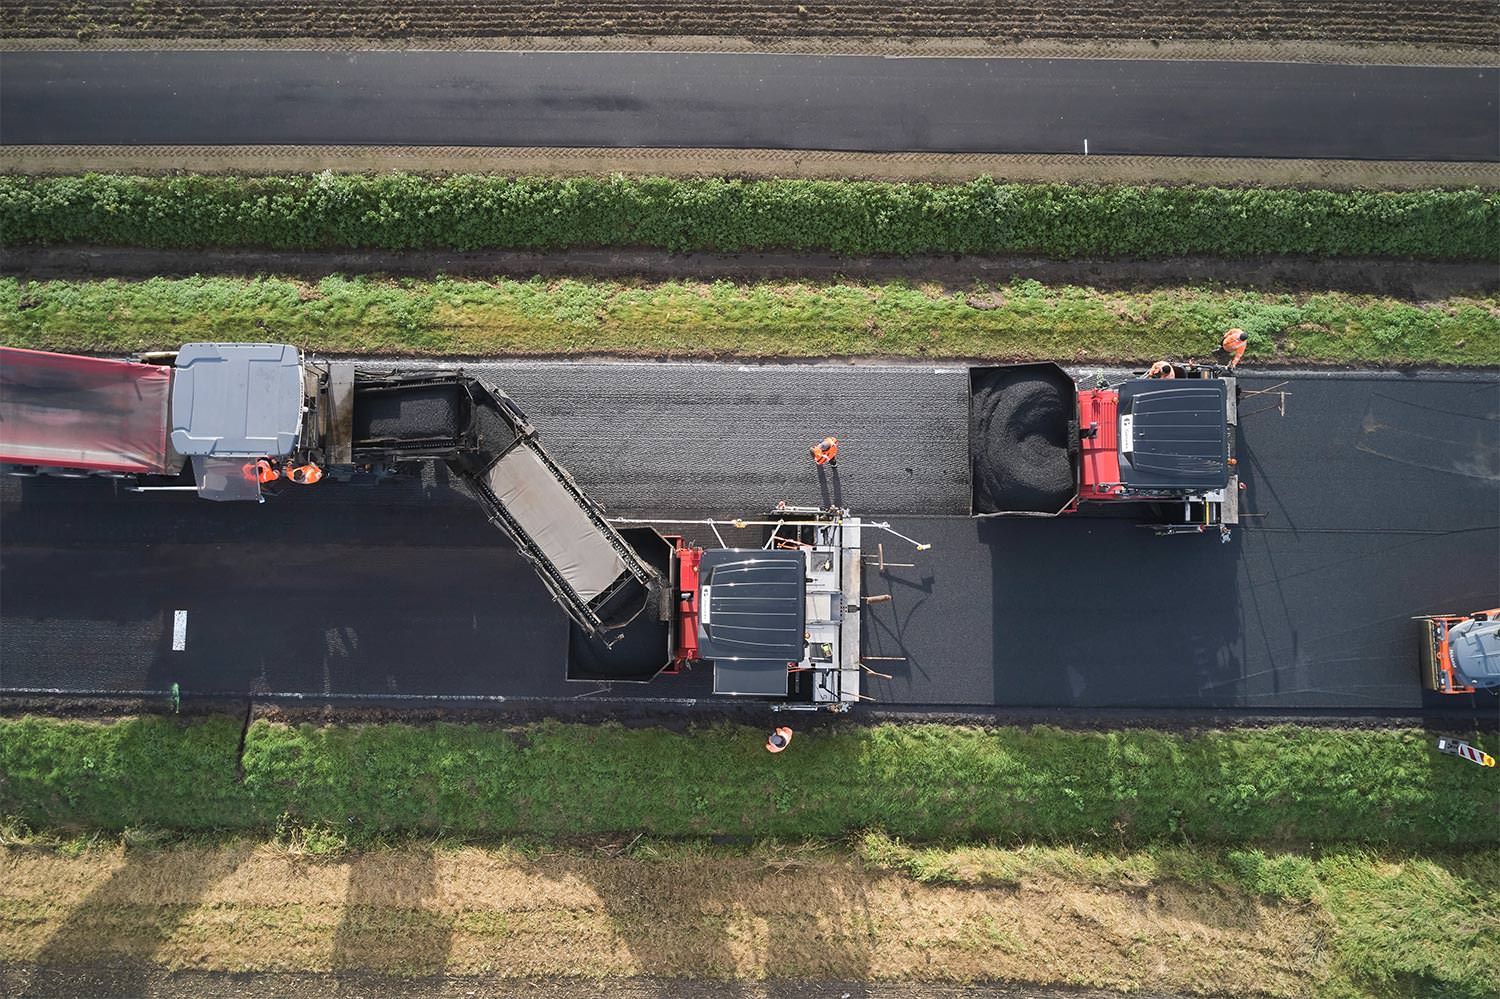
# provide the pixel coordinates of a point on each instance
(1085, 147)
(1457, 747)
(179, 631)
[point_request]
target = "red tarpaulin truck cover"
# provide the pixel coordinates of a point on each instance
(62, 411)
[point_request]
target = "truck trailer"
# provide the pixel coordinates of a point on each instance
(776, 620)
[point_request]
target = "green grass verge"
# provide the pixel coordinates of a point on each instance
(1403, 924)
(467, 212)
(1020, 320)
(1286, 785)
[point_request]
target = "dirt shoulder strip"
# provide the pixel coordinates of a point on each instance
(1298, 51)
(757, 163)
(1403, 279)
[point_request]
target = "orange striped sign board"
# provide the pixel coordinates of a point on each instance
(1457, 747)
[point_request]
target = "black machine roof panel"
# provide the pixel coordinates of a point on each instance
(753, 605)
(1174, 435)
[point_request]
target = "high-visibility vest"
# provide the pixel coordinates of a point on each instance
(1235, 342)
(261, 471)
(305, 475)
(825, 452)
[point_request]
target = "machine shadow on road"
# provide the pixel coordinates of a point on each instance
(1119, 618)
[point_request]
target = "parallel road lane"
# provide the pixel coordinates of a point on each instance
(739, 101)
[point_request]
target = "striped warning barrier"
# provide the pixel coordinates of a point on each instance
(1457, 747)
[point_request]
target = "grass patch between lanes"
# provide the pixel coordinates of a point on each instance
(1020, 320)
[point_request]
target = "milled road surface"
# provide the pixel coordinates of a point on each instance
(1377, 497)
(743, 101)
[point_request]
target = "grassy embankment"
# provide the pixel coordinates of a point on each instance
(469, 212)
(1281, 786)
(1020, 320)
(1281, 862)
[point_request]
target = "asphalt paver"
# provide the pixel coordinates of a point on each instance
(1375, 498)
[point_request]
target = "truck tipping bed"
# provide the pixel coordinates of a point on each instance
(64, 411)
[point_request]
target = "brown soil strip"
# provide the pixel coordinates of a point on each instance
(1448, 22)
(1406, 279)
(1314, 50)
(777, 915)
(588, 161)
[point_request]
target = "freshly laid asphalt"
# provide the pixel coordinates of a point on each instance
(738, 101)
(1375, 498)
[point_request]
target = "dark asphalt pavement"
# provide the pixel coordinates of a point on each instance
(1380, 496)
(1144, 107)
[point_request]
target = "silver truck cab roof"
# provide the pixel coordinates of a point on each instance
(237, 400)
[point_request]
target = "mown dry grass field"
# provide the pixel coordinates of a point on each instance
(1174, 920)
(1435, 22)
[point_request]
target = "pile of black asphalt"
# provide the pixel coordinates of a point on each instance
(1021, 420)
(414, 412)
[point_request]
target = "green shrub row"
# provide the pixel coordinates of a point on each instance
(1287, 785)
(467, 212)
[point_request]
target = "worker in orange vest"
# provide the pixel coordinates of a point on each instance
(779, 740)
(262, 470)
(827, 452)
(305, 475)
(1162, 369)
(1234, 344)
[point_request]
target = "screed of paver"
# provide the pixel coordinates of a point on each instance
(420, 911)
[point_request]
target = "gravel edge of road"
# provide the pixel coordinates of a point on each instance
(1405, 279)
(810, 164)
(681, 717)
(1343, 53)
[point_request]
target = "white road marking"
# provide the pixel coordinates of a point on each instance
(179, 631)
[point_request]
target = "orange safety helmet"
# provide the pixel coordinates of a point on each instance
(305, 475)
(779, 740)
